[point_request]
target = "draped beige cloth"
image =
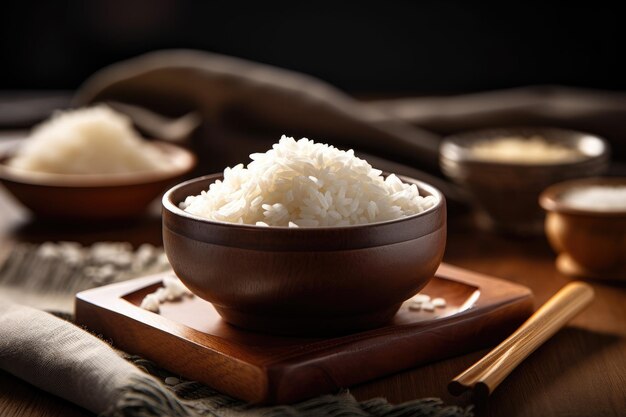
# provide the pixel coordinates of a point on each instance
(246, 106)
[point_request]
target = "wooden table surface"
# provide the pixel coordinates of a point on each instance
(580, 372)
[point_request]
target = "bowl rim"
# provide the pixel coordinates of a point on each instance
(550, 199)
(172, 208)
(454, 147)
(183, 161)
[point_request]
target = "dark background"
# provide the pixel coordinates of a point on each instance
(389, 47)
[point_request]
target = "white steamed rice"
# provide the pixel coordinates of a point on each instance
(521, 150)
(95, 140)
(597, 198)
(307, 184)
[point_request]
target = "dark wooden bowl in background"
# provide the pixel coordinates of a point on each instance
(305, 281)
(92, 197)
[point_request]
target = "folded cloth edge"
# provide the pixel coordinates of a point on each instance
(67, 361)
(212, 84)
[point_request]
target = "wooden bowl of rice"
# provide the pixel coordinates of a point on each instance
(586, 226)
(92, 197)
(303, 281)
(89, 164)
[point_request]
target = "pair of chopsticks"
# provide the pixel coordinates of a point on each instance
(485, 375)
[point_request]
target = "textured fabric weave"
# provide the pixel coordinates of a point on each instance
(67, 361)
(61, 358)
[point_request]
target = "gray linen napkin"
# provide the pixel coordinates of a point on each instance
(65, 360)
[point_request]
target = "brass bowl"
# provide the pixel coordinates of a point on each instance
(589, 243)
(506, 193)
(305, 281)
(91, 197)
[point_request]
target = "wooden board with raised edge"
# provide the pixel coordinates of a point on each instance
(189, 338)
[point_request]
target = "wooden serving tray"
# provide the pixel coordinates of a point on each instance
(189, 338)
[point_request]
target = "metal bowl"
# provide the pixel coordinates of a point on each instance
(506, 193)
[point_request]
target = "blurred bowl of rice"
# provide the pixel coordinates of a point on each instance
(89, 164)
(504, 170)
(586, 226)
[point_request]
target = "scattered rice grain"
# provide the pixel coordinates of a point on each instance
(428, 307)
(439, 302)
(172, 380)
(421, 298)
(415, 306)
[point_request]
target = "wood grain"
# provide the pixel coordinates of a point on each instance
(261, 368)
(13, 393)
(578, 372)
(485, 375)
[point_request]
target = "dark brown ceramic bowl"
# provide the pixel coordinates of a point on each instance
(305, 281)
(506, 193)
(92, 197)
(590, 243)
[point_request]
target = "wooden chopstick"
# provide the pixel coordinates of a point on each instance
(485, 375)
